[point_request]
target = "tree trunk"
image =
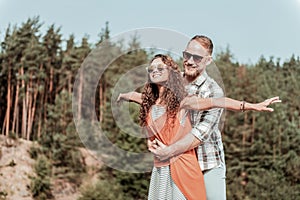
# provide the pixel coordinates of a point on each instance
(42, 102)
(101, 102)
(39, 125)
(30, 125)
(244, 129)
(16, 110)
(29, 106)
(70, 83)
(279, 140)
(42, 106)
(32, 109)
(18, 121)
(4, 123)
(8, 102)
(51, 80)
(253, 127)
(80, 95)
(24, 111)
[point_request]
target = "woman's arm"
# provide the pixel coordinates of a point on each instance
(130, 96)
(197, 103)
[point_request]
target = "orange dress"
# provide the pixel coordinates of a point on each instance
(184, 168)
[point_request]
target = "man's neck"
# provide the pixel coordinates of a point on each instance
(189, 79)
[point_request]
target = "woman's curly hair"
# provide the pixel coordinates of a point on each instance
(172, 95)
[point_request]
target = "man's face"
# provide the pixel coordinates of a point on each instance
(192, 62)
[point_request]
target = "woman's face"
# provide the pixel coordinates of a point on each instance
(158, 71)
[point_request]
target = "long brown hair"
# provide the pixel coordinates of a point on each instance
(172, 95)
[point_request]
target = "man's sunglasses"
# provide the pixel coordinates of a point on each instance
(196, 58)
(159, 68)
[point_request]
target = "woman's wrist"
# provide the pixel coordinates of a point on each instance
(125, 96)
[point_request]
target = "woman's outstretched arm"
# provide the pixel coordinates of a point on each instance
(130, 96)
(197, 103)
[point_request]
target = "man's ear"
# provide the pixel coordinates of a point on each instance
(208, 60)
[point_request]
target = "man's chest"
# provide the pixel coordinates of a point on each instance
(201, 91)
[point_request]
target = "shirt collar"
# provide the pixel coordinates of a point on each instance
(200, 79)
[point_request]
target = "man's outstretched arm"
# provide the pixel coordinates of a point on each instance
(197, 103)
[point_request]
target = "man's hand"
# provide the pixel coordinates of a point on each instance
(160, 150)
(263, 106)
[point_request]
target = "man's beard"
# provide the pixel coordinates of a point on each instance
(191, 75)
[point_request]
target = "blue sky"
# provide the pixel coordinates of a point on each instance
(250, 28)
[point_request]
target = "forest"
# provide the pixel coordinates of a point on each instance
(37, 73)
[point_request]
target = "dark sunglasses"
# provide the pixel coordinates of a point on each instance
(159, 68)
(196, 58)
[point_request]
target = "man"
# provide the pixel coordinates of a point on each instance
(205, 135)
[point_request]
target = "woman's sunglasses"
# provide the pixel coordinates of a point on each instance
(196, 58)
(159, 68)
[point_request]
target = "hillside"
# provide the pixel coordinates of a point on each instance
(16, 166)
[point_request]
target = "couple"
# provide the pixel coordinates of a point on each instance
(189, 157)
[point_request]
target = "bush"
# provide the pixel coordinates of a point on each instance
(103, 190)
(34, 151)
(40, 184)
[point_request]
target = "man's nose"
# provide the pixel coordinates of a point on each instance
(190, 60)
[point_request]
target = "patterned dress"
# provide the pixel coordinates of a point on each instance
(180, 177)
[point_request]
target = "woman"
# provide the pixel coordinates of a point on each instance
(160, 114)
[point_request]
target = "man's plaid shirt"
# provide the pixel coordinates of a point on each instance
(206, 123)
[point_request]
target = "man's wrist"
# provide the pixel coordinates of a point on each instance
(170, 151)
(249, 106)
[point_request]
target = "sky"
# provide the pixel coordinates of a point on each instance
(250, 28)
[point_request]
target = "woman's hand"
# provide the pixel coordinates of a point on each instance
(121, 97)
(130, 96)
(151, 144)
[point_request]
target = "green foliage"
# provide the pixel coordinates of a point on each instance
(262, 149)
(134, 185)
(40, 186)
(60, 142)
(107, 189)
(115, 185)
(34, 151)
